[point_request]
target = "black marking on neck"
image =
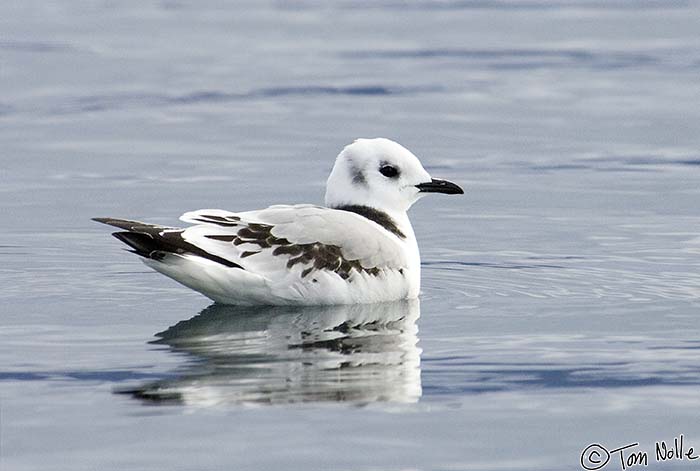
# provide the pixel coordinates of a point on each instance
(374, 215)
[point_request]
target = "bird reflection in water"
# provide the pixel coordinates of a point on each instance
(283, 354)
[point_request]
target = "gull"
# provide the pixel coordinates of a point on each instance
(360, 248)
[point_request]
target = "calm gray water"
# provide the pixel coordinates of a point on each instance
(560, 294)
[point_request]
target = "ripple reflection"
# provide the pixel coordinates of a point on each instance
(273, 354)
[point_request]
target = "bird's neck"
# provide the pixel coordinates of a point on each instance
(393, 221)
(402, 221)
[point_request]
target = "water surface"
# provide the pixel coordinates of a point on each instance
(560, 294)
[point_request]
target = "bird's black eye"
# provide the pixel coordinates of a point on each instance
(389, 171)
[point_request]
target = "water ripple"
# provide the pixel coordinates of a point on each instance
(518, 58)
(490, 364)
(506, 5)
(111, 376)
(616, 163)
(477, 279)
(6, 109)
(107, 102)
(35, 46)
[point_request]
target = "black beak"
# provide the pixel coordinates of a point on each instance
(440, 186)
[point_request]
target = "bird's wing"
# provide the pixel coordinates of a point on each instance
(300, 237)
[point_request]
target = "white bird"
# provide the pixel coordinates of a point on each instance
(360, 248)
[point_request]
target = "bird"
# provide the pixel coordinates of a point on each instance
(359, 248)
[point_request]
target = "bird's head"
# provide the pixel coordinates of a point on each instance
(381, 174)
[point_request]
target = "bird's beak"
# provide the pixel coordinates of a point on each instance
(440, 186)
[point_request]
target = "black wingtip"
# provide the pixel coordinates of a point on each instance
(151, 241)
(143, 244)
(120, 223)
(130, 225)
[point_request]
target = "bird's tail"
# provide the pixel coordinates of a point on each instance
(156, 242)
(145, 239)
